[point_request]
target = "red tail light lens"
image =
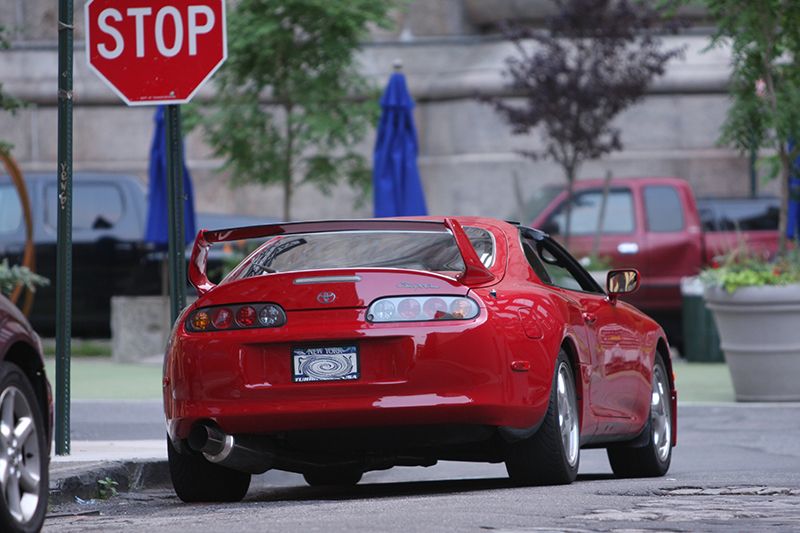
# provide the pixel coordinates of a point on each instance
(420, 308)
(222, 318)
(408, 309)
(234, 317)
(246, 316)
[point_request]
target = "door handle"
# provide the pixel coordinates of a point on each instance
(589, 318)
(628, 248)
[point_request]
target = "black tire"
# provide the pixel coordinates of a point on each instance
(197, 480)
(547, 457)
(343, 477)
(653, 458)
(23, 502)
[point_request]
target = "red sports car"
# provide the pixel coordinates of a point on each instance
(340, 347)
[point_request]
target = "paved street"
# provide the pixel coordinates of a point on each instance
(737, 468)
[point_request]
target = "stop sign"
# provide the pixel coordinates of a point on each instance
(155, 51)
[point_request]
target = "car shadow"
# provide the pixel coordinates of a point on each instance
(395, 489)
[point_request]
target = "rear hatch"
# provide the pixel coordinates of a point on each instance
(333, 289)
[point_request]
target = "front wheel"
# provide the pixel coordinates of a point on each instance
(551, 455)
(652, 459)
(23, 454)
(197, 480)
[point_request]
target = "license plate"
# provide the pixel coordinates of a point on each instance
(325, 363)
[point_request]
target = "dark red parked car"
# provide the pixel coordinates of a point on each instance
(346, 346)
(26, 414)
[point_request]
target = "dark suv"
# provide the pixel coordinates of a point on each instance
(109, 256)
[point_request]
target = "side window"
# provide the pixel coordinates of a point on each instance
(10, 209)
(529, 248)
(554, 266)
(95, 206)
(585, 213)
(560, 276)
(663, 209)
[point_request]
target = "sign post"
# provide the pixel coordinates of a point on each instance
(64, 228)
(152, 52)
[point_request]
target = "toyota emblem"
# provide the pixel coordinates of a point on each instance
(326, 297)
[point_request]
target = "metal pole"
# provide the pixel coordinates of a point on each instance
(64, 242)
(177, 258)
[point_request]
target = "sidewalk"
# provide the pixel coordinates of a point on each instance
(138, 464)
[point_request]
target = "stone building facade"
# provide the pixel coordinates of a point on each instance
(450, 52)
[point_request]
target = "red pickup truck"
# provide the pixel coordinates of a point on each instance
(656, 226)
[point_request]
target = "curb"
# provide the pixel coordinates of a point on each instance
(131, 476)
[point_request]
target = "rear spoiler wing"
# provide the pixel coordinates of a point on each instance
(475, 273)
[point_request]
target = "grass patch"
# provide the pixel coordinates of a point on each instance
(703, 382)
(80, 347)
(94, 378)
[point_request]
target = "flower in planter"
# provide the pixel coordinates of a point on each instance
(11, 276)
(744, 268)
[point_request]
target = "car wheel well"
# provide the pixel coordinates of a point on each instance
(572, 355)
(28, 360)
(663, 349)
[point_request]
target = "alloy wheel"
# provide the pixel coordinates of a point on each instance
(20, 470)
(567, 413)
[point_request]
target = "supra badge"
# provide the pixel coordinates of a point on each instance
(326, 297)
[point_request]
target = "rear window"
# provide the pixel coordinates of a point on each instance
(428, 251)
(663, 209)
(10, 209)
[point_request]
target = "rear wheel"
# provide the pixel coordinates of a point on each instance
(197, 480)
(23, 454)
(652, 459)
(552, 454)
(333, 476)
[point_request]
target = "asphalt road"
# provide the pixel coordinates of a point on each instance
(737, 468)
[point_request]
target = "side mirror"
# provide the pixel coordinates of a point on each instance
(622, 281)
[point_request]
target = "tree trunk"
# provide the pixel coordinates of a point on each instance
(570, 171)
(783, 217)
(601, 216)
(287, 169)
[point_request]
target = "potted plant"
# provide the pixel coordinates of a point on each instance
(12, 276)
(756, 300)
(756, 306)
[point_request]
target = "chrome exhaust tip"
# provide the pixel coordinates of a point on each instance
(244, 454)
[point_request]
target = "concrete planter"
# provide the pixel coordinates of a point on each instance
(759, 330)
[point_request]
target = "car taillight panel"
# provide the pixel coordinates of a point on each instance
(233, 317)
(422, 308)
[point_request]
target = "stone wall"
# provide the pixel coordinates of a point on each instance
(468, 157)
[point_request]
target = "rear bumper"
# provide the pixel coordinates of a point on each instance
(411, 374)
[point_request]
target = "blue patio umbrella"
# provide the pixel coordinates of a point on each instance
(395, 177)
(157, 228)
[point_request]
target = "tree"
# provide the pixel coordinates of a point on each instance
(765, 84)
(7, 102)
(596, 59)
(290, 105)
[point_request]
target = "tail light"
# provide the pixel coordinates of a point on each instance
(232, 317)
(422, 308)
